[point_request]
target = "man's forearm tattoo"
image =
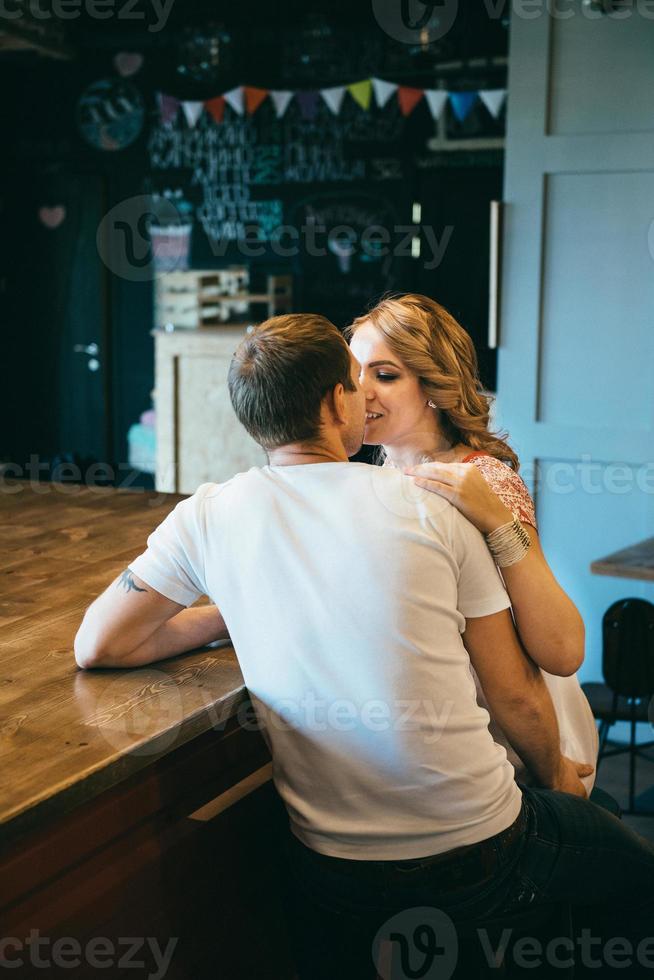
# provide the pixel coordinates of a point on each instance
(128, 583)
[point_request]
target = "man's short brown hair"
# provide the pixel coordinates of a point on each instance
(280, 374)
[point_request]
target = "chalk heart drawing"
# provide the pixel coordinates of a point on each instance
(127, 63)
(52, 217)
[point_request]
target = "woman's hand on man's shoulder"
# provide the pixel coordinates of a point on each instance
(465, 487)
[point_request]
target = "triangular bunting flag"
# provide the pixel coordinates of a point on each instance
(281, 100)
(361, 92)
(168, 106)
(493, 99)
(254, 97)
(383, 91)
(408, 98)
(192, 111)
(308, 102)
(234, 99)
(216, 107)
(462, 103)
(334, 97)
(436, 99)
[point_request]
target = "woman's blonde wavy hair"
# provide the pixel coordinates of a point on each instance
(436, 348)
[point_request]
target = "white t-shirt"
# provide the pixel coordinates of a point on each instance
(345, 589)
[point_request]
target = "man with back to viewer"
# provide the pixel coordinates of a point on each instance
(346, 592)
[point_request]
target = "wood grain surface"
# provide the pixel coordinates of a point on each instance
(66, 734)
(635, 562)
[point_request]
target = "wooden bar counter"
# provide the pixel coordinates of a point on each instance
(135, 805)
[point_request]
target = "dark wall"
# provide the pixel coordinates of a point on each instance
(58, 292)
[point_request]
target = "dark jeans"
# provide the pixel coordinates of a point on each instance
(345, 916)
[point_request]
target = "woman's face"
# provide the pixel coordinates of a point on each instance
(396, 405)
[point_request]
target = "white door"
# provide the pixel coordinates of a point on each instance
(576, 359)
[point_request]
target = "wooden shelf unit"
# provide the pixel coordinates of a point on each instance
(198, 298)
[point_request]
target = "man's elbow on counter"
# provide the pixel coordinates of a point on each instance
(89, 648)
(87, 654)
(96, 647)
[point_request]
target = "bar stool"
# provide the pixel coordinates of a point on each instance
(628, 670)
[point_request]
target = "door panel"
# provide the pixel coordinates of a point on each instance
(598, 292)
(84, 418)
(593, 88)
(55, 301)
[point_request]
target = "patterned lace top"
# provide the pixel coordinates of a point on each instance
(508, 486)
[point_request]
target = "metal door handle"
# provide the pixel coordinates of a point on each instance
(90, 349)
(495, 274)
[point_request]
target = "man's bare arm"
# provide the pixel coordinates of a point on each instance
(519, 700)
(131, 624)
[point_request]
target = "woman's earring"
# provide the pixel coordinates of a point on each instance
(432, 404)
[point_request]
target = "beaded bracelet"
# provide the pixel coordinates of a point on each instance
(508, 543)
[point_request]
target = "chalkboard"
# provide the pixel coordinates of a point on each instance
(328, 197)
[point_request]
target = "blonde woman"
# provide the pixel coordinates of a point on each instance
(426, 408)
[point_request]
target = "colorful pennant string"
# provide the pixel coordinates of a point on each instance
(248, 98)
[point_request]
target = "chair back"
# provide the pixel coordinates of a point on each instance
(628, 648)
